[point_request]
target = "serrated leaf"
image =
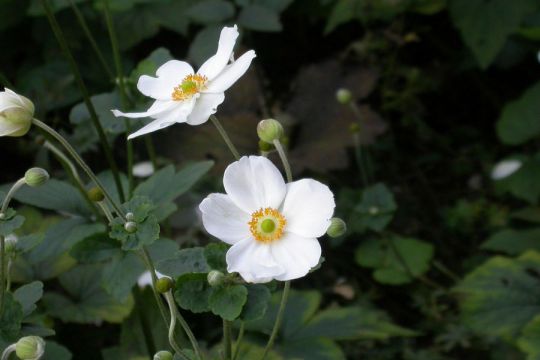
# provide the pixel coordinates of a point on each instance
(192, 292)
(258, 298)
(120, 274)
(11, 318)
(228, 301)
(185, 261)
(375, 210)
(215, 256)
(96, 248)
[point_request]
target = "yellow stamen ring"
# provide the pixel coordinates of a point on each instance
(267, 225)
(192, 84)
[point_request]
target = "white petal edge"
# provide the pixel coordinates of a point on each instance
(296, 254)
(158, 107)
(215, 64)
(308, 208)
(205, 106)
(223, 219)
(158, 88)
(175, 69)
(231, 74)
(254, 182)
(153, 126)
(253, 261)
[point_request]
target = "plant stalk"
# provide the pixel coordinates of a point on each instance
(225, 136)
(279, 319)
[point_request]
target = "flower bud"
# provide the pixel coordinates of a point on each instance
(95, 194)
(163, 355)
(16, 114)
(11, 243)
(337, 228)
(354, 128)
(130, 216)
(3, 216)
(130, 227)
(215, 278)
(344, 96)
(164, 284)
(30, 348)
(36, 177)
(373, 211)
(269, 130)
(264, 146)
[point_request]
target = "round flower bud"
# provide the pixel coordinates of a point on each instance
(344, 96)
(164, 284)
(130, 227)
(215, 278)
(30, 348)
(16, 114)
(36, 177)
(264, 146)
(269, 130)
(95, 194)
(2, 216)
(373, 210)
(337, 228)
(163, 355)
(130, 216)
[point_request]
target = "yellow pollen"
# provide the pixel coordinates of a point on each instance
(264, 233)
(190, 85)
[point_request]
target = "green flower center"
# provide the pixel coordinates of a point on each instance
(268, 225)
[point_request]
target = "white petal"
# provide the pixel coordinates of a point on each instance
(143, 169)
(308, 207)
(505, 168)
(205, 106)
(158, 107)
(296, 254)
(174, 69)
(253, 261)
(9, 128)
(158, 88)
(153, 126)
(223, 219)
(231, 74)
(254, 182)
(214, 65)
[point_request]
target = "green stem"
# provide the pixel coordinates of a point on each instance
(284, 160)
(172, 341)
(239, 341)
(360, 159)
(225, 136)
(144, 323)
(227, 340)
(442, 268)
(79, 161)
(91, 39)
(151, 150)
(10, 194)
(150, 267)
(8, 276)
(103, 206)
(189, 333)
(279, 319)
(8, 351)
(2, 273)
(86, 95)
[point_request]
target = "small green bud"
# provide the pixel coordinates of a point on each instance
(130, 227)
(344, 96)
(264, 146)
(30, 348)
(215, 278)
(17, 117)
(164, 284)
(373, 210)
(269, 130)
(95, 194)
(3, 216)
(337, 228)
(130, 216)
(163, 355)
(36, 177)
(354, 128)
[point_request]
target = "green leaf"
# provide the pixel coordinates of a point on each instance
(259, 18)
(342, 12)
(215, 256)
(525, 182)
(11, 222)
(313, 349)
(183, 262)
(529, 341)
(513, 242)
(28, 295)
(485, 35)
(54, 351)
(502, 295)
(228, 301)
(519, 121)
(204, 44)
(36, 9)
(210, 11)
(11, 318)
(258, 298)
(192, 292)
(396, 259)
(27, 243)
(107, 180)
(530, 214)
(121, 274)
(86, 302)
(376, 209)
(96, 248)
(150, 65)
(132, 27)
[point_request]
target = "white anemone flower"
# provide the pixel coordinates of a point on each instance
(505, 168)
(16, 113)
(272, 226)
(183, 96)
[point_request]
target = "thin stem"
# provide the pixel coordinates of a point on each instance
(150, 267)
(10, 194)
(81, 163)
(90, 37)
(151, 150)
(284, 160)
(442, 268)
(8, 351)
(225, 137)
(103, 206)
(86, 95)
(2, 272)
(189, 333)
(360, 159)
(8, 276)
(279, 319)
(172, 308)
(239, 340)
(227, 341)
(144, 323)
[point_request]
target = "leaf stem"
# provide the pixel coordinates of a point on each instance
(18, 184)
(284, 160)
(225, 136)
(279, 319)
(239, 340)
(2, 273)
(172, 341)
(8, 351)
(227, 341)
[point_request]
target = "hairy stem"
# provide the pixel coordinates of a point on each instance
(225, 136)
(284, 160)
(279, 319)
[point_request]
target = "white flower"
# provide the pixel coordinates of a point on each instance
(16, 113)
(505, 168)
(272, 226)
(181, 95)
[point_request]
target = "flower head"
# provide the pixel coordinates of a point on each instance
(16, 113)
(272, 226)
(181, 95)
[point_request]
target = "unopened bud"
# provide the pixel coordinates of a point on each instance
(95, 194)
(337, 228)
(269, 130)
(130, 216)
(164, 284)
(373, 210)
(163, 355)
(354, 128)
(343, 96)
(30, 348)
(130, 227)
(36, 177)
(215, 278)
(17, 114)
(3, 216)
